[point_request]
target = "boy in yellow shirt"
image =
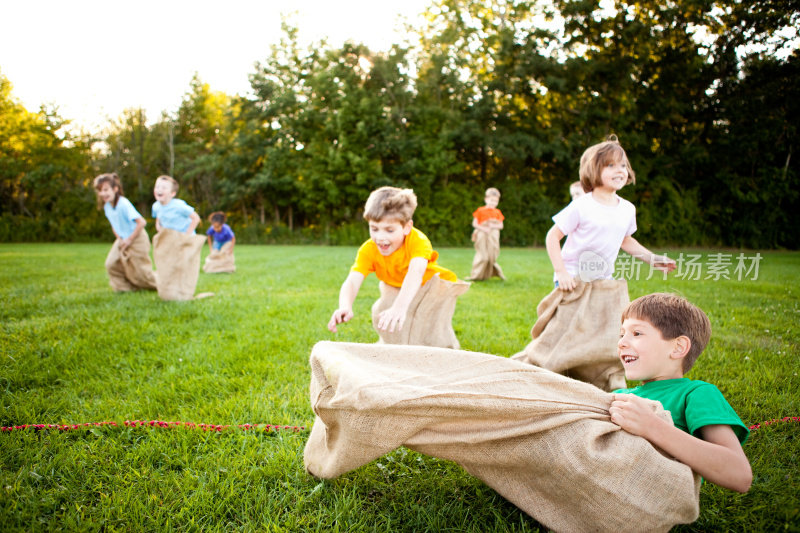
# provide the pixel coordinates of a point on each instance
(417, 295)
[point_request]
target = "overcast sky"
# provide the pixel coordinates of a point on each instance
(95, 58)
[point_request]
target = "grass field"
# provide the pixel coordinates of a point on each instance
(72, 351)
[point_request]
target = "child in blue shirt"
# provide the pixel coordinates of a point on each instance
(128, 262)
(220, 233)
(661, 337)
(170, 212)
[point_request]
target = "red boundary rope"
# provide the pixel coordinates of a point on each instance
(154, 424)
(774, 421)
(266, 427)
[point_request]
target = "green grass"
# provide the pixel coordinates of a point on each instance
(72, 351)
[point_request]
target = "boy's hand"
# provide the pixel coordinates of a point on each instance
(391, 320)
(340, 316)
(565, 281)
(124, 243)
(633, 414)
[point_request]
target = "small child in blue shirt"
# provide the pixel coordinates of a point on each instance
(170, 212)
(220, 233)
(660, 339)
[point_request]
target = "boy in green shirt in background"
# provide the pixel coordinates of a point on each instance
(661, 337)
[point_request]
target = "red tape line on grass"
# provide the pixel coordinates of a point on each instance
(775, 421)
(154, 424)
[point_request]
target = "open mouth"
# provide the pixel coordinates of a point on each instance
(628, 359)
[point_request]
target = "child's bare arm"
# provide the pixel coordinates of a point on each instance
(659, 262)
(393, 318)
(194, 222)
(158, 225)
(347, 295)
(124, 243)
(717, 456)
(210, 243)
(553, 245)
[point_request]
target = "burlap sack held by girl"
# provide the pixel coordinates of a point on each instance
(177, 259)
(219, 261)
(576, 333)
(130, 269)
(429, 320)
(543, 441)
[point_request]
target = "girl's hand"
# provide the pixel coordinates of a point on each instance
(664, 263)
(340, 316)
(565, 281)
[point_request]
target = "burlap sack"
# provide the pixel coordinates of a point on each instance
(543, 441)
(177, 258)
(429, 320)
(221, 260)
(130, 269)
(576, 333)
(487, 250)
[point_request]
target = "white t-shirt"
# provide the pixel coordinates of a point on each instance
(594, 234)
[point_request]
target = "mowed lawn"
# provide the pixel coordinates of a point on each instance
(72, 351)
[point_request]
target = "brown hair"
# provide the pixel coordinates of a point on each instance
(113, 181)
(171, 180)
(673, 316)
(390, 203)
(599, 155)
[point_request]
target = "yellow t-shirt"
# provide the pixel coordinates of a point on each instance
(392, 269)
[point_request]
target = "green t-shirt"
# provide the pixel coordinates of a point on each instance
(692, 404)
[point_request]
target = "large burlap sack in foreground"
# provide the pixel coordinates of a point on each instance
(219, 261)
(177, 259)
(543, 441)
(130, 269)
(576, 333)
(487, 250)
(429, 320)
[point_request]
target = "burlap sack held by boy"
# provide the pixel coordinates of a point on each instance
(219, 261)
(576, 333)
(430, 315)
(487, 250)
(177, 259)
(543, 441)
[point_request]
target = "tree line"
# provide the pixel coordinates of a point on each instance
(702, 94)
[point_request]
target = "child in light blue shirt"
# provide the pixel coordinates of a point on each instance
(170, 212)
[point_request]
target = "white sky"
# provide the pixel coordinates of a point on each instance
(95, 58)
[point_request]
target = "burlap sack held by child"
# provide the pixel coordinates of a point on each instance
(577, 331)
(543, 441)
(177, 259)
(487, 250)
(429, 320)
(219, 261)
(130, 269)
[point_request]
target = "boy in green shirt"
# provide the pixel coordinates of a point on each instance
(661, 337)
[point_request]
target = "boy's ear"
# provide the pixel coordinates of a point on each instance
(407, 227)
(681, 347)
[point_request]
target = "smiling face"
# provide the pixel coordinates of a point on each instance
(107, 192)
(491, 201)
(614, 175)
(646, 355)
(163, 191)
(388, 234)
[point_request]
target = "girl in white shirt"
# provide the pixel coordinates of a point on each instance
(598, 223)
